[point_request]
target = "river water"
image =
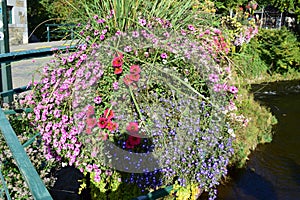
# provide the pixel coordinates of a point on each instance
(273, 171)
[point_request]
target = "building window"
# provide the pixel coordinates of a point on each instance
(9, 14)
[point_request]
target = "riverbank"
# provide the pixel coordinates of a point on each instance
(272, 171)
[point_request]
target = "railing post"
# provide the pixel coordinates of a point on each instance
(48, 33)
(5, 72)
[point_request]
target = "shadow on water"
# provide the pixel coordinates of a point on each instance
(247, 185)
(273, 171)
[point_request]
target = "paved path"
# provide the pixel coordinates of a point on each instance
(26, 70)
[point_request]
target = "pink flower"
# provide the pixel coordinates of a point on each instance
(142, 22)
(116, 85)
(191, 27)
(233, 89)
(111, 126)
(218, 87)
(135, 34)
(98, 100)
(217, 31)
(97, 178)
(118, 70)
(213, 78)
(127, 80)
(207, 32)
(91, 122)
(134, 77)
(102, 37)
(135, 69)
(117, 61)
(100, 21)
(163, 55)
(133, 128)
(127, 48)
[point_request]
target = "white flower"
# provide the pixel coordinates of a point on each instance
(231, 132)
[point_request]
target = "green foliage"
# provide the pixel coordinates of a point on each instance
(249, 63)
(257, 131)
(279, 49)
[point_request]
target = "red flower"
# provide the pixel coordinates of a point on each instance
(134, 77)
(111, 126)
(91, 122)
(128, 145)
(102, 122)
(118, 70)
(133, 128)
(117, 62)
(133, 140)
(109, 114)
(127, 80)
(135, 69)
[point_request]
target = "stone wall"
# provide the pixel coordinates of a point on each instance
(18, 28)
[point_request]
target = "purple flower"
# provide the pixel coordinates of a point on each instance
(64, 118)
(127, 49)
(56, 113)
(191, 27)
(100, 21)
(213, 78)
(83, 57)
(104, 31)
(163, 55)
(116, 85)
(142, 22)
(88, 75)
(102, 37)
(218, 87)
(135, 34)
(233, 89)
(98, 100)
(71, 58)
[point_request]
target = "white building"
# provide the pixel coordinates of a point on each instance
(17, 21)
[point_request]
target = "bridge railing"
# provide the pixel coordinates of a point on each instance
(29, 173)
(59, 31)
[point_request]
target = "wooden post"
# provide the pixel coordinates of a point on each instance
(5, 68)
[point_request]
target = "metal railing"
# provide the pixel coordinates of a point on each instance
(29, 173)
(60, 31)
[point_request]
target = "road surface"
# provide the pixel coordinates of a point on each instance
(25, 70)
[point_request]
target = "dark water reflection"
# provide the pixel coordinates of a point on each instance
(273, 171)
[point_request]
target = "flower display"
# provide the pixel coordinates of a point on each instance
(131, 105)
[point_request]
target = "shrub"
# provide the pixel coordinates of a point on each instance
(279, 49)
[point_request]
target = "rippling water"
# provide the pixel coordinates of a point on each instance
(273, 171)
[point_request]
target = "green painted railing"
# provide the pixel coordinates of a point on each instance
(55, 31)
(29, 173)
